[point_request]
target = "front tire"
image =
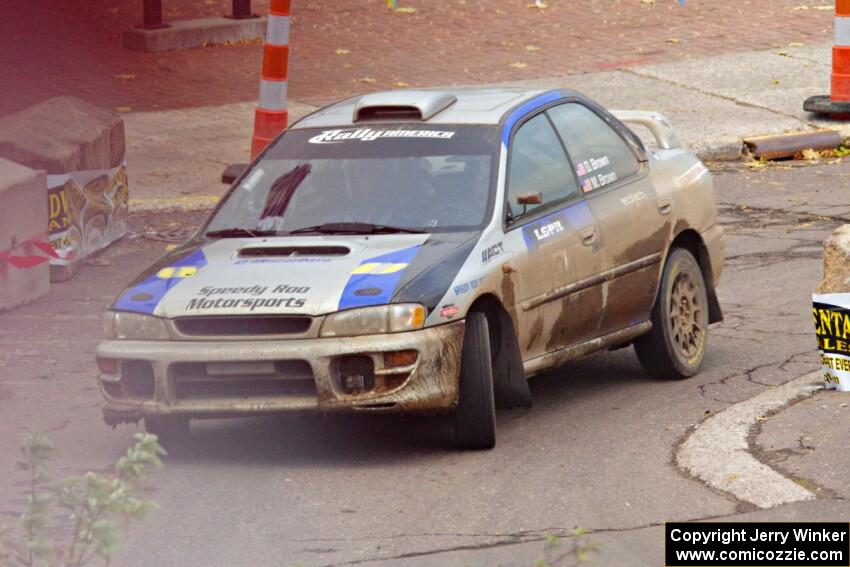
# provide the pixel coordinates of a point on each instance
(475, 414)
(675, 347)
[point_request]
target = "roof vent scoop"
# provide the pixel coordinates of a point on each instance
(406, 105)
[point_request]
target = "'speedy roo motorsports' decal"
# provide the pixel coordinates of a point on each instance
(370, 135)
(248, 297)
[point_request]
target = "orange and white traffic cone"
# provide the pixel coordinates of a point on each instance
(837, 103)
(270, 117)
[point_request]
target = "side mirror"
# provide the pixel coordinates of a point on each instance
(530, 199)
(232, 172)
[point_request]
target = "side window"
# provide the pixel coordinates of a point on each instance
(538, 167)
(599, 154)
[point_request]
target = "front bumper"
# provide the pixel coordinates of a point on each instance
(178, 367)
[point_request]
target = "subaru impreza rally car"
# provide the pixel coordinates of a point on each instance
(424, 251)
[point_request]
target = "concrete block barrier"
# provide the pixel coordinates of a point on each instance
(24, 250)
(82, 149)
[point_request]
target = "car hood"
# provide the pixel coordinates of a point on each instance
(281, 275)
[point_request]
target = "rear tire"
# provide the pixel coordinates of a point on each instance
(171, 430)
(475, 414)
(675, 347)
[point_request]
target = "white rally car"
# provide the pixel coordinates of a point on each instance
(423, 251)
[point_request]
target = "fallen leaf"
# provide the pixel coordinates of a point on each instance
(123, 109)
(823, 7)
(795, 44)
(782, 53)
(400, 85)
(810, 154)
(125, 77)
(342, 51)
(775, 81)
(672, 40)
(405, 10)
(532, 48)
(799, 8)
(647, 1)
(538, 4)
(367, 80)
(518, 65)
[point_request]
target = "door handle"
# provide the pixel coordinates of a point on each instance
(664, 206)
(588, 235)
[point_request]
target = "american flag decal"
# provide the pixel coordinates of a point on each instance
(586, 186)
(580, 169)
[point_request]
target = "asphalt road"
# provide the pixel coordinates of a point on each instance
(596, 450)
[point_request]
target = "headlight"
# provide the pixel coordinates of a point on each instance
(134, 326)
(374, 320)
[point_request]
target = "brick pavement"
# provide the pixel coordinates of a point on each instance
(52, 47)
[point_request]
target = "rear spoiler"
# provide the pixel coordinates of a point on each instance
(655, 122)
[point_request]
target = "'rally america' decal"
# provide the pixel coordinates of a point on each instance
(146, 295)
(374, 281)
(369, 135)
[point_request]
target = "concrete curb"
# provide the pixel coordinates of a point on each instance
(718, 450)
(172, 204)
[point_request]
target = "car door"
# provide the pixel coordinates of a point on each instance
(635, 225)
(556, 302)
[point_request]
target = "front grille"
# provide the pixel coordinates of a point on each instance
(242, 325)
(291, 378)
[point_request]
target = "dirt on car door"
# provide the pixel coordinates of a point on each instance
(557, 301)
(634, 223)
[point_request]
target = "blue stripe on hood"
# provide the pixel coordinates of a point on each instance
(146, 295)
(374, 281)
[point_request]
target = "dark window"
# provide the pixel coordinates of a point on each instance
(538, 166)
(432, 178)
(599, 154)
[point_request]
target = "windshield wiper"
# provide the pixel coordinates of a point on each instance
(237, 232)
(354, 228)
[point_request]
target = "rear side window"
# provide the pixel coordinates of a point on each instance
(538, 166)
(599, 154)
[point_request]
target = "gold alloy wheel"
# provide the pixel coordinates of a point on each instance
(686, 315)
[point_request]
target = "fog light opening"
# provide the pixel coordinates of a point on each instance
(107, 365)
(357, 374)
(138, 380)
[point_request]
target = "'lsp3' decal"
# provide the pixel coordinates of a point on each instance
(546, 229)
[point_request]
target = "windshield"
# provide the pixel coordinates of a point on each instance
(430, 178)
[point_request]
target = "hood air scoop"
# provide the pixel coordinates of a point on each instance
(287, 251)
